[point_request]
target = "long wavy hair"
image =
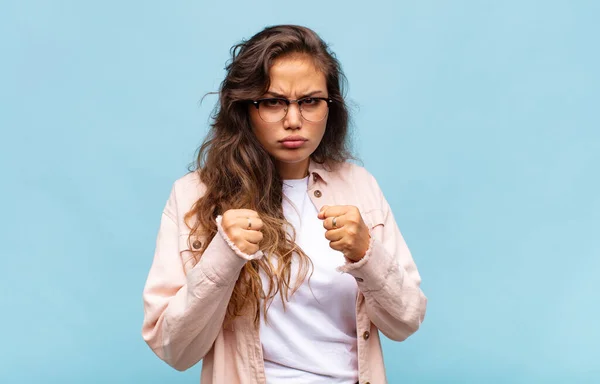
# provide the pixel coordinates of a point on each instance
(239, 173)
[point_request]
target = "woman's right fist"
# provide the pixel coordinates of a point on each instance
(243, 227)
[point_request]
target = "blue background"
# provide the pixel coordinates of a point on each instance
(478, 118)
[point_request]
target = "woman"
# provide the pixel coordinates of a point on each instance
(277, 260)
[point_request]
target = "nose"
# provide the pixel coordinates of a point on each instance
(293, 119)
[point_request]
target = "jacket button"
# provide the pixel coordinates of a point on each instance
(197, 244)
(366, 335)
(318, 193)
(315, 177)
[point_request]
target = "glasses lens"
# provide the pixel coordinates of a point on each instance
(272, 110)
(314, 109)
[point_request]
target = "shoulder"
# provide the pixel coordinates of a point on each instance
(185, 192)
(189, 185)
(355, 174)
(355, 180)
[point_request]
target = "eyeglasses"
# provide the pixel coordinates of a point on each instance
(273, 110)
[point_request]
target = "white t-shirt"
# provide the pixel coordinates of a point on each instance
(314, 340)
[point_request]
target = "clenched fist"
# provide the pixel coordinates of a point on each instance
(243, 227)
(346, 230)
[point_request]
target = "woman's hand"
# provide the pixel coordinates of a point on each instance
(346, 230)
(243, 227)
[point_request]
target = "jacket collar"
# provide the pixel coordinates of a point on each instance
(321, 171)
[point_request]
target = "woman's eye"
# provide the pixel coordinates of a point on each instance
(309, 101)
(272, 102)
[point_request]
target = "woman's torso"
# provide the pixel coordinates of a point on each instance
(312, 340)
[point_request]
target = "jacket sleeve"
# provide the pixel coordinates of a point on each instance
(183, 314)
(388, 277)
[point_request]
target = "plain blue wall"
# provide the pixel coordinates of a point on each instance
(479, 119)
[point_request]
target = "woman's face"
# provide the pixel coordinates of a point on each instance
(293, 139)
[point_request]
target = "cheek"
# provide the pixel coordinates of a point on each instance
(321, 129)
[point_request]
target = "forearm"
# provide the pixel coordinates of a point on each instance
(391, 287)
(396, 307)
(184, 313)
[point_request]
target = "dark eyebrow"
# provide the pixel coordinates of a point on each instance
(313, 93)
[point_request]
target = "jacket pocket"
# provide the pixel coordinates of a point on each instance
(373, 218)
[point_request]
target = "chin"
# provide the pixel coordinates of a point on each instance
(292, 156)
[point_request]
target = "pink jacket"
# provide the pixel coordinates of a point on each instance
(185, 304)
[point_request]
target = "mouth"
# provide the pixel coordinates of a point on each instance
(293, 141)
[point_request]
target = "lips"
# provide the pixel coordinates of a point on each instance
(294, 138)
(294, 141)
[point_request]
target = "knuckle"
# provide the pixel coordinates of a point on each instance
(235, 234)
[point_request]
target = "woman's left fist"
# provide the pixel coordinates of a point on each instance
(346, 230)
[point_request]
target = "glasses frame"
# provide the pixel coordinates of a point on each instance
(287, 108)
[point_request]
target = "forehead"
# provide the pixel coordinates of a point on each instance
(293, 74)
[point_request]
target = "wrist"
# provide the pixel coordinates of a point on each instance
(351, 258)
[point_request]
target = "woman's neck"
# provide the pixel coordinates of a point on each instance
(292, 171)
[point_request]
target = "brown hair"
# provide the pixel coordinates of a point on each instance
(239, 173)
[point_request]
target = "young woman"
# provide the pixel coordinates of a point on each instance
(277, 260)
